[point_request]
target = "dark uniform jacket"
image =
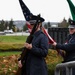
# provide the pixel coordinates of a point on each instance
(35, 63)
(69, 48)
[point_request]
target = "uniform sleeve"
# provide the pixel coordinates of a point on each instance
(66, 47)
(43, 49)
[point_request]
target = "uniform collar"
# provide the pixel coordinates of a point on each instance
(73, 34)
(37, 33)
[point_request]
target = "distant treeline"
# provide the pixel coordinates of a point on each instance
(21, 25)
(16, 26)
(63, 24)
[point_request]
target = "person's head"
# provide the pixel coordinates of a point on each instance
(33, 20)
(71, 26)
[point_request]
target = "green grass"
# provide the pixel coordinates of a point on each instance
(13, 39)
(9, 53)
(12, 42)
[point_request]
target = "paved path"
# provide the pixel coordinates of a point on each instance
(18, 33)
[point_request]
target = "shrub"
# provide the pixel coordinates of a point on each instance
(9, 63)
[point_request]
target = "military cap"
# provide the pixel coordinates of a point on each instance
(71, 23)
(33, 19)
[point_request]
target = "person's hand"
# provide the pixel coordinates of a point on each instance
(54, 44)
(20, 64)
(28, 46)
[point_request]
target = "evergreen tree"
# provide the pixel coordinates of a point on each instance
(63, 24)
(49, 24)
(2, 25)
(25, 27)
(46, 25)
(11, 24)
(6, 25)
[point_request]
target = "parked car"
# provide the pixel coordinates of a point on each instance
(8, 31)
(27, 31)
(2, 33)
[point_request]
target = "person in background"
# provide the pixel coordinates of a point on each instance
(69, 46)
(37, 50)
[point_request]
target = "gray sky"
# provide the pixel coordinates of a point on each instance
(50, 10)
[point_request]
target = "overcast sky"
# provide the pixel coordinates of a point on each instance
(50, 10)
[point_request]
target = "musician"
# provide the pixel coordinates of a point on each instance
(37, 50)
(68, 47)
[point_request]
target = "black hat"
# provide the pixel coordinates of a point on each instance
(34, 18)
(71, 23)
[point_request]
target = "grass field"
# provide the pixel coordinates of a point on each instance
(12, 42)
(10, 53)
(12, 39)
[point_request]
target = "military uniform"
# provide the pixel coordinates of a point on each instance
(34, 58)
(34, 62)
(69, 47)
